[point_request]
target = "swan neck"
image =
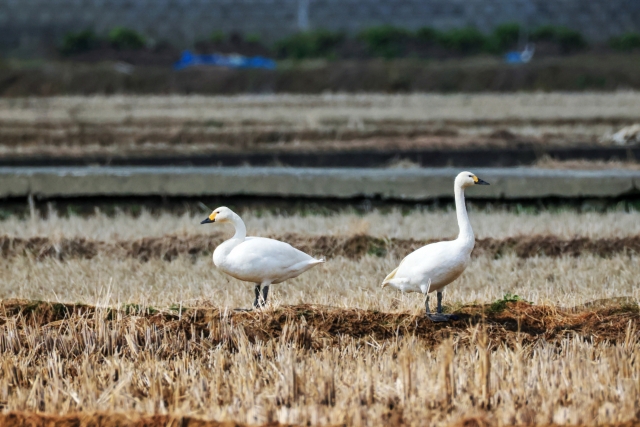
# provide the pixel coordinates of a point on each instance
(466, 232)
(241, 229)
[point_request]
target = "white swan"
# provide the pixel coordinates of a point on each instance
(257, 259)
(434, 266)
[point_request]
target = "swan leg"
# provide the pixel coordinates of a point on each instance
(261, 297)
(439, 316)
(256, 302)
(265, 292)
(426, 306)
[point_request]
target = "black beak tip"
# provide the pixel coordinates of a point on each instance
(206, 221)
(482, 182)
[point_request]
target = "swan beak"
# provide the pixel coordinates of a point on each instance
(211, 218)
(481, 182)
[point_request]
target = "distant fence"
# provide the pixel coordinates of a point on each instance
(33, 24)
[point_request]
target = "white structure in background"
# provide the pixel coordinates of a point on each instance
(303, 15)
(627, 136)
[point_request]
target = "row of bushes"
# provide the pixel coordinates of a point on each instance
(389, 41)
(119, 38)
(381, 41)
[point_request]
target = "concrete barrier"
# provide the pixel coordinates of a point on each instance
(400, 184)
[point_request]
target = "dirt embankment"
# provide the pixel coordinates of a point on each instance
(170, 247)
(28, 419)
(314, 326)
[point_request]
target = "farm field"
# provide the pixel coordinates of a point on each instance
(125, 319)
(120, 126)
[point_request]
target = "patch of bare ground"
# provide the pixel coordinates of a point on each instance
(315, 326)
(356, 246)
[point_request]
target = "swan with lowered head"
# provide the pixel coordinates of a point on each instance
(257, 259)
(434, 266)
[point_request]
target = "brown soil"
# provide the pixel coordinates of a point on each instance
(170, 247)
(315, 327)
(28, 419)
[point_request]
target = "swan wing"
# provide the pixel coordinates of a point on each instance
(260, 259)
(436, 264)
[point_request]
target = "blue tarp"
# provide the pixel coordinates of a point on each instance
(521, 57)
(189, 59)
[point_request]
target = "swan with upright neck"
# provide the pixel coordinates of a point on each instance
(434, 266)
(257, 259)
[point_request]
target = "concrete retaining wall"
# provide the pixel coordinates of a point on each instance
(399, 184)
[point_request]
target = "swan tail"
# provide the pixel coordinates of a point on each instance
(318, 261)
(400, 283)
(390, 276)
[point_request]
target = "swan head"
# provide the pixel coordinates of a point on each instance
(467, 179)
(221, 214)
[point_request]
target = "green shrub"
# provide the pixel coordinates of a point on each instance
(427, 34)
(252, 38)
(78, 42)
(506, 35)
(217, 37)
(385, 41)
(464, 40)
(499, 305)
(544, 33)
(626, 42)
(311, 44)
(568, 39)
(125, 38)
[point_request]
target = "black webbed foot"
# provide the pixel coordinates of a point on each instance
(442, 317)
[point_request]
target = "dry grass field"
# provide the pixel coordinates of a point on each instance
(124, 320)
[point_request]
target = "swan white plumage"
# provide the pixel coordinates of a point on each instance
(257, 259)
(434, 266)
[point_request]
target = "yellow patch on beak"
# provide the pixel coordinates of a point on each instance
(212, 217)
(475, 179)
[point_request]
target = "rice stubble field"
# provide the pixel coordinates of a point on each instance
(124, 320)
